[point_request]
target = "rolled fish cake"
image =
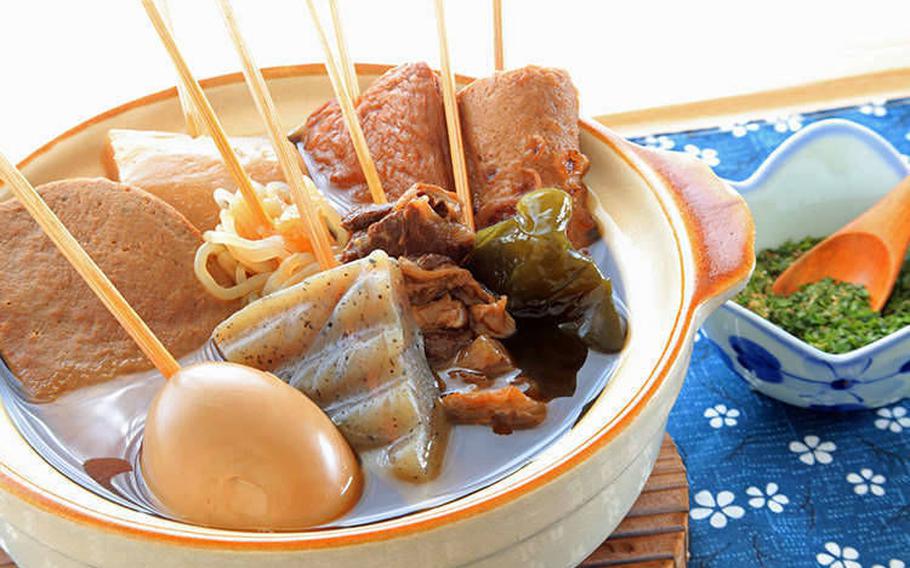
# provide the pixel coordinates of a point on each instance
(521, 133)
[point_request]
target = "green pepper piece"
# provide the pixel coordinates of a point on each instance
(530, 259)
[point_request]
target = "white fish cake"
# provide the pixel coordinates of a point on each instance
(185, 171)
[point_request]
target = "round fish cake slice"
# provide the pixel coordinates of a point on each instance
(55, 335)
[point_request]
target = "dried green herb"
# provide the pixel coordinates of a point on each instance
(832, 316)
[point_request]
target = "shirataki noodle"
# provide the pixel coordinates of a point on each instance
(258, 267)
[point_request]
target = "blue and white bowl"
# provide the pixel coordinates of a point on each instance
(811, 185)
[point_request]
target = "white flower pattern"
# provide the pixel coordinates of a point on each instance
(769, 497)
(874, 108)
(716, 510)
(867, 481)
(740, 129)
(719, 415)
(787, 122)
(837, 557)
(659, 142)
(706, 155)
(893, 563)
(894, 419)
(812, 450)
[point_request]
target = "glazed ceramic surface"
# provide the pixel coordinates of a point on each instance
(682, 241)
(813, 184)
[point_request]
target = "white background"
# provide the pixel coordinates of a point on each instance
(66, 60)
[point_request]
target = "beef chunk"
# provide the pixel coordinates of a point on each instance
(444, 313)
(505, 408)
(485, 355)
(442, 346)
(425, 220)
(452, 308)
(492, 318)
(430, 276)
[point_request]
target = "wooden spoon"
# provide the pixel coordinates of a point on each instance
(869, 251)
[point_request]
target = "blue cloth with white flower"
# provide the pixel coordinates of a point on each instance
(774, 485)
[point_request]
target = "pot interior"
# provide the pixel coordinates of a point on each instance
(643, 249)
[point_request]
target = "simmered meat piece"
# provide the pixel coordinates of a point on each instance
(505, 409)
(430, 276)
(484, 386)
(443, 344)
(492, 318)
(433, 282)
(426, 219)
(404, 124)
(521, 133)
(365, 216)
(444, 313)
(485, 355)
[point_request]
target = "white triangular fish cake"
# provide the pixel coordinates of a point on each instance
(348, 340)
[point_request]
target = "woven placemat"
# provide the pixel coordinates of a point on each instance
(655, 532)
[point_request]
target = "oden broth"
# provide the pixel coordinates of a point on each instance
(93, 436)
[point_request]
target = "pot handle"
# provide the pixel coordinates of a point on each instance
(718, 220)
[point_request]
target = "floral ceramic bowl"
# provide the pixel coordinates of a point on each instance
(811, 185)
(681, 242)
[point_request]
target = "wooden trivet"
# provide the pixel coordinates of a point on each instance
(654, 534)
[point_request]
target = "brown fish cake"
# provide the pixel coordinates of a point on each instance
(55, 335)
(521, 133)
(404, 124)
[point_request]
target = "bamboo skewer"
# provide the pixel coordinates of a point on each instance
(99, 283)
(190, 118)
(213, 126)
(347, 65)
(498, 55)
(453, 122)
(349, 113)
(287, 157)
